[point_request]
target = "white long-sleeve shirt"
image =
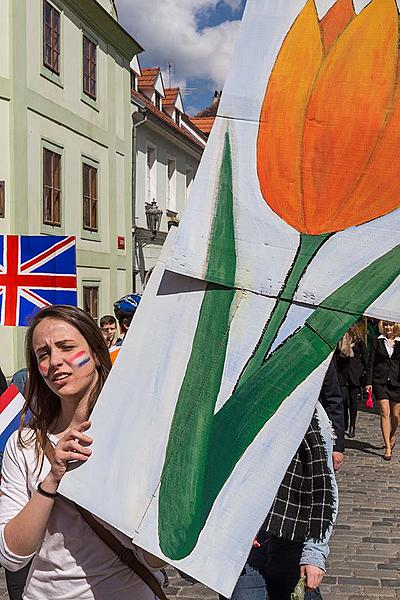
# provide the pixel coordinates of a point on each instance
(72, 563)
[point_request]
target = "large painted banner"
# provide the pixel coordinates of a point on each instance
(292, 232)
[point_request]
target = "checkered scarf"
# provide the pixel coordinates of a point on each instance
(303, 507)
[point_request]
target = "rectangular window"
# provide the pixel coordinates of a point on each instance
(150, 173)
(177, 117)
(2, 199)
(89, 175)
(51, 37)
(133, 82)
(51, 188)
(171, 184)
(89, 67)
(157, 100)
(91, 301)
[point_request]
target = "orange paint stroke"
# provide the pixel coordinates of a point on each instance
(283, 112)
(330, 123)
(334, 22)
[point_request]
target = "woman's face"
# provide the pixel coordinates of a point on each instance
(388, 329)
(64, 359)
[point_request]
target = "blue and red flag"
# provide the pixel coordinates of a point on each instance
(11, 404)
(35, 271)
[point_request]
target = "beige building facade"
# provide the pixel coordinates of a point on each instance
(65, 144)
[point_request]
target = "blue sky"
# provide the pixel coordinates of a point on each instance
(195, 36)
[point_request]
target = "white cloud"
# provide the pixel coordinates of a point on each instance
(168, 30)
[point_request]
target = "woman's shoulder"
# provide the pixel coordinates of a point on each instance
(21, 443)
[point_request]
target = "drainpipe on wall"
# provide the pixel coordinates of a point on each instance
(138, 118)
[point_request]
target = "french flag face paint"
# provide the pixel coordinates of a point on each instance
(44, 370)
(80, 359)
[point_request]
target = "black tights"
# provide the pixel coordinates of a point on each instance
(351, 396)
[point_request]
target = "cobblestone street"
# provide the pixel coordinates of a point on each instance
(365, 549)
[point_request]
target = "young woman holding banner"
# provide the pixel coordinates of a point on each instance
(68, 363)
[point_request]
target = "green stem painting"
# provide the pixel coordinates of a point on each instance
(203, 447)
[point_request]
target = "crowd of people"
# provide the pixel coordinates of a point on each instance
(68, 360)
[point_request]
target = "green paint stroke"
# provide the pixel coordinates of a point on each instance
(182, 488)
(243, 416)
(309, 246)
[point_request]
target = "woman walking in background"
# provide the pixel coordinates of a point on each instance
(383, 377)
(351, 363)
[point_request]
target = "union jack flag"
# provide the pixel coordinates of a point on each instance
(35, 271)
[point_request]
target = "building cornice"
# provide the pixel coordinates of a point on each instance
(98, 19)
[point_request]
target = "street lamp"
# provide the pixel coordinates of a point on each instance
(153, 217)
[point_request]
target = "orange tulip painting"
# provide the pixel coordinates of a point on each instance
(327, 148)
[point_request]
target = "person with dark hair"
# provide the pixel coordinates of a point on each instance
(351, 363)
(108, 326)
(68, 363)
(124, 310)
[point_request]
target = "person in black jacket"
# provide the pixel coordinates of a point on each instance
(351, 363)
(383, 377)
(332, 400)
(3, 383)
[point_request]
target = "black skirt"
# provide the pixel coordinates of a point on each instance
(386, 392)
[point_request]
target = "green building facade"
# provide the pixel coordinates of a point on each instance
(65, 142)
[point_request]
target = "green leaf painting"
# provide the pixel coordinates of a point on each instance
(204, 447)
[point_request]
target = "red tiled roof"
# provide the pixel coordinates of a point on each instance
(203, 123)
(171, 95)
(148, 77)
(166, 119)
(209, 111)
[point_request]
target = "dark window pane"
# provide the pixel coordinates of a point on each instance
(56, 63)
(86, 49)
(56, 208)
(47, 13)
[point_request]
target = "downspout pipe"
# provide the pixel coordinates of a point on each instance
(139, 118)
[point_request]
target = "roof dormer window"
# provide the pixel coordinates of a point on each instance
(178, 117)
(157, 100)
(133, 82)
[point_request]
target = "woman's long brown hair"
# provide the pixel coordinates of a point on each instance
(42, 407)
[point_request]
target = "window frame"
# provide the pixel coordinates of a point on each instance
(88, 234)
(51, 222)
(45, 70)
(158, 100)
(87, 94)
(90, 198)
(53, 49)
(91, 285)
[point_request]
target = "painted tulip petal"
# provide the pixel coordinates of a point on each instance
(334, 22)
(379, 186)
(346, 114)
(282, 117)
